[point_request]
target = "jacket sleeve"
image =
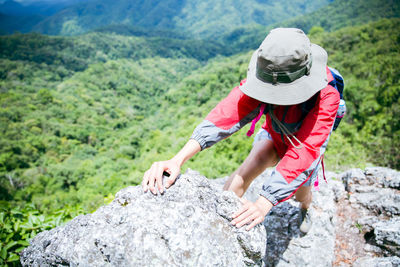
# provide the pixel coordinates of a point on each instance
(298, 164)
(231, 114)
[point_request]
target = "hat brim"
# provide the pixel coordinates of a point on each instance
(292, 93)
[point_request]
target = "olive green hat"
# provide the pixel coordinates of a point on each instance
(286, 69)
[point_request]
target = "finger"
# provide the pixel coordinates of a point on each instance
(159, 177)
(254, 223)
(242, 216)
(145, 181)
(152, 179)
(245, 218)
(242, 209)
(244, 221)
(172, 177)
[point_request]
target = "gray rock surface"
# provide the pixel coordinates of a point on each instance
(374, 176)
(378, 201)
(354, 176)
(384, 176)
(387, 235)
(377, 262)
(376, 189)
(186, 226)
(375, 194)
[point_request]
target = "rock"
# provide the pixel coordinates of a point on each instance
(372, 176)
(387, 235)
(377, 262)
(189, 225)
(374, 194)
(367, 223)
(385, 200)
(373, 249)
(353, 176)
(338, 188)
(384, 176)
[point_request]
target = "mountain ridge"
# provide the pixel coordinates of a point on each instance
(201, 19)
(21, 17)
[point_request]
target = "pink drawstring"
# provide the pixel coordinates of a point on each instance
(256, 119)
(316, 184)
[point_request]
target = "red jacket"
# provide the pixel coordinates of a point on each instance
(312, 129)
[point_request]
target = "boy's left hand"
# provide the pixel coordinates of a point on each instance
(251, 213)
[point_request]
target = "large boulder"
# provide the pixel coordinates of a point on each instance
(189, 225)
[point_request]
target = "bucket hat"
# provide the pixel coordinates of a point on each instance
(286, 69)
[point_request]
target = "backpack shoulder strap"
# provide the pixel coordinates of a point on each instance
(337, 81)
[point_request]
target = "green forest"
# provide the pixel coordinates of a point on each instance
(84, 116)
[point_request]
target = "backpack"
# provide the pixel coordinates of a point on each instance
(338, 83)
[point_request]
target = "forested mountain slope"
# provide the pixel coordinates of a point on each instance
(76, 53)
(336, 15)
(196, 18)
(34, 79)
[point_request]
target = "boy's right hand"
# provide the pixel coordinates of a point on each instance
(153, 177)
